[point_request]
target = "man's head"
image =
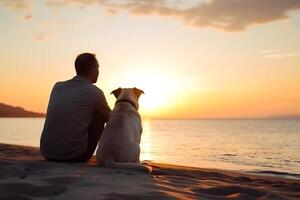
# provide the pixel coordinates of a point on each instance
(86, 65)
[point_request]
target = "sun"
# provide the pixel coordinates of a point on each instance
(158, 89)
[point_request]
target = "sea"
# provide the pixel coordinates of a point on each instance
(268, 146)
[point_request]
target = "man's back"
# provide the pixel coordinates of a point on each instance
(72, 105)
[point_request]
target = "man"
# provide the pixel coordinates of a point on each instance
(76, 114)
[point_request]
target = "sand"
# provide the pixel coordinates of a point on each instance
(24, 174)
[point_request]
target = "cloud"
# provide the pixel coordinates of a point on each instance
(43, 36)
(19, 5)
(271, 51)
(237, 15)
(278, 53)
(15, 4)
(28, 16)
(282, 55)
(227, 15)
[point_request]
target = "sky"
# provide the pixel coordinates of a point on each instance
(193, 59)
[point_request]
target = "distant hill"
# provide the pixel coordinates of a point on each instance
(12, 111)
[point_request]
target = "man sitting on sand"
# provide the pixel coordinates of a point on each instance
(76, 114)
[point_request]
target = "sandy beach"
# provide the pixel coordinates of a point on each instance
(24, 174)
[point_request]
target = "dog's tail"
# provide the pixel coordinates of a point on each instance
(128, 165)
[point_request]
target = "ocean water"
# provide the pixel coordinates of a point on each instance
(269, 146)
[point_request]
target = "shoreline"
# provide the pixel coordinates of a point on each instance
(25, 175)
(264, 172)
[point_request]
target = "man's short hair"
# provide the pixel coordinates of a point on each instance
(84, 63)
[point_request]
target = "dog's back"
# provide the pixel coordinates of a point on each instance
(123, 128)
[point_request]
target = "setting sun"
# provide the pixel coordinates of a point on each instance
(158, 87)
(158, 91)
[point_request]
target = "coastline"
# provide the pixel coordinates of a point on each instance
(24, 174)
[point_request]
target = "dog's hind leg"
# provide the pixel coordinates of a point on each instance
(129, 153)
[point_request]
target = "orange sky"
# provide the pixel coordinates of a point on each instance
(192, 59)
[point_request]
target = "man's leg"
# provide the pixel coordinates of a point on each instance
(94, 133)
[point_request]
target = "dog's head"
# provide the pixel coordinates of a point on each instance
(130, 95)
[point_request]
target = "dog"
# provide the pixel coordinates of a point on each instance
(119, 145)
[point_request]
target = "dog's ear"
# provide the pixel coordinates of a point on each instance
(138, 92)
(116, 92)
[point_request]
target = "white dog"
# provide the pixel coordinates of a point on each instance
(119, 145)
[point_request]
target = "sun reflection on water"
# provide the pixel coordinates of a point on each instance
(146, 141)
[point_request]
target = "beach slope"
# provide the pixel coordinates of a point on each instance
(24, 174)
